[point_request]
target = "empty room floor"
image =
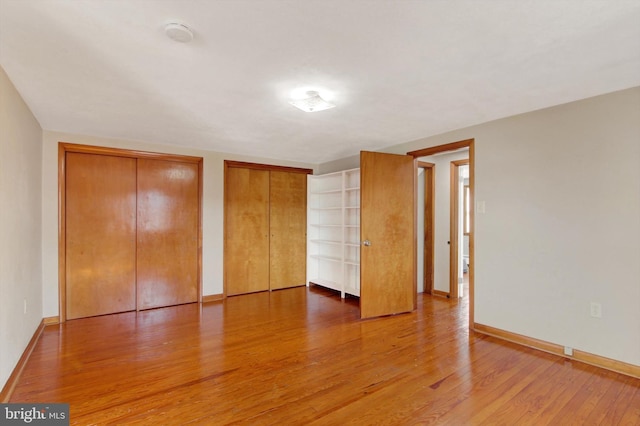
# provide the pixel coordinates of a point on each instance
(303, 356)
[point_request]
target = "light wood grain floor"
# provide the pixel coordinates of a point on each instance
(301, 356)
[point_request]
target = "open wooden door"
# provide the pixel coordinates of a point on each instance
(388, 234)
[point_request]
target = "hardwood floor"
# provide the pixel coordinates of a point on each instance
(302, 356)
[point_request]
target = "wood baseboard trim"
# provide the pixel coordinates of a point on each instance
(553, 348)
(212, 298)
(440, 293)
(607, 363)
(51, 320)
(12, 381)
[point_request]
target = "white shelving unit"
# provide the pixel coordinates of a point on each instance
(333, 231)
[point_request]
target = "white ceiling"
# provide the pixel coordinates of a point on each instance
(397, 70)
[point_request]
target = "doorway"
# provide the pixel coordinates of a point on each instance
(452, 287)
(426, 225)
(459, 239)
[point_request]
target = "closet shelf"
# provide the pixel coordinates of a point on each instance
(326, 242)
(325, 283)
(330, 191)
(329, 258)
(333, 248)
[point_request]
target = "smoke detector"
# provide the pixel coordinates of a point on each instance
(178, 32)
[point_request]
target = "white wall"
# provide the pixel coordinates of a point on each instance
(341, 164)
(212, 215)
(20, 249)
(566, 232)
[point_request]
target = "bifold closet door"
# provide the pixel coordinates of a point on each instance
(246, 251)
(288, 229)
(100, 240)
(167, 234)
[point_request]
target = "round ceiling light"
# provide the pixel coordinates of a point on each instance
(178, 32)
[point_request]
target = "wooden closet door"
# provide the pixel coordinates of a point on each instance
(246, 253)
(167, 215)
(288, 226)
(100, 227)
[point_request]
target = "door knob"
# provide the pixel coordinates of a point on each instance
(366, 243)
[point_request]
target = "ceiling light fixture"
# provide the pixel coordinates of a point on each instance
(178, 32)
(312, 103)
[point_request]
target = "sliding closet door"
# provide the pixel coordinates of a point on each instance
(100, 203)
(167, 238)
(288, 225)
(246, 252)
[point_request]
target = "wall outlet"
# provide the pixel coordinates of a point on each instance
(596, 310)
(25, 306)
(568, 351)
